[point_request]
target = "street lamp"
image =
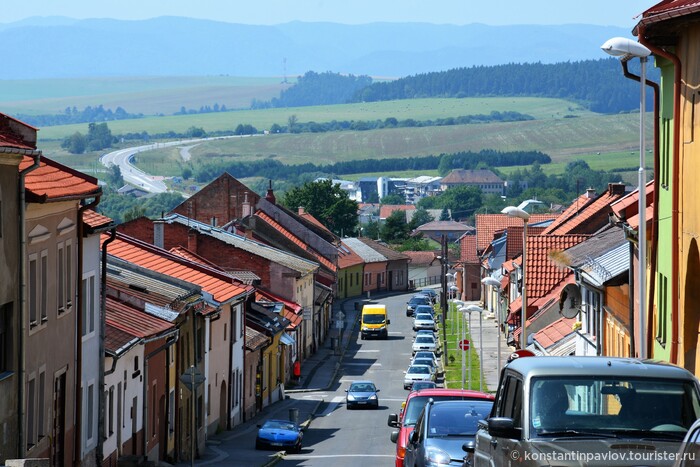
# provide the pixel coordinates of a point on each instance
(478, 309)
(512, 211)
(496, 284)
(627, 49)
(462, 310)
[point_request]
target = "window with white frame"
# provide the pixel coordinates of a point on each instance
(88, 309)
(33, 293)
(41, 428)
(43, 297)
(69, 275)
(31, 413)
(90, 411)
(61, 277)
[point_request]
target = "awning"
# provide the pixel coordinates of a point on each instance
(286, 339)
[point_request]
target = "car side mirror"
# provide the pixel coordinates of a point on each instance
(388, 321)
(377, 390)
(413, 438)
(346, 390)
(502, 427)
(393, 420)
(259, 425)
(468, 446)
(394, 436)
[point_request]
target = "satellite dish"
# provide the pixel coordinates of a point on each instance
(570, 301)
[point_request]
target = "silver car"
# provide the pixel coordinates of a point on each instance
(417, 373)
(423, 321)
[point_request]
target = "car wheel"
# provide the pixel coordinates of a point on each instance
(297, 448)
(258, 445)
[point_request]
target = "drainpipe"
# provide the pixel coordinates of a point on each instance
(657, 163)
(21, 447)
(77, 455)
(675, 195)
(101, 359)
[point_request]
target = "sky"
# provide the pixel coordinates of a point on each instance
(621, 13)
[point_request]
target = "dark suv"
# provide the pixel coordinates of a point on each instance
(415, 301)
(441, 430)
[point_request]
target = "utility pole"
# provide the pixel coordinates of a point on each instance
(443, 295)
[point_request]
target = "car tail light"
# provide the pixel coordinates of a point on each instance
(401, 451)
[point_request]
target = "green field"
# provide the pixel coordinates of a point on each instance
(417, 109)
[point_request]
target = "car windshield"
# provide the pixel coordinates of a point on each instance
(373, 318)
(423, 361)
(424, 317)
(424, 309)
(279, 425)
(419, 370)
(424, 354)
(361, 387)
(418, 301)
(425, 340)
(624, 407)
(415, 406)
(457, 418)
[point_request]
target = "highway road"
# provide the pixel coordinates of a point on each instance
(137, 177)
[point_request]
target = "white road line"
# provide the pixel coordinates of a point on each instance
(330, 456)
(361, 364)
(367, 351)
(335, 402)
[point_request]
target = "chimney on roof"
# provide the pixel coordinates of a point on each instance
(616, 188)
(270, 196)
(192, 240)
(245, 208)
(590, 193)
(302, 211)
(159, 233)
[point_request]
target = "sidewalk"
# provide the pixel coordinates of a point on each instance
(318, 372)
(489, 364)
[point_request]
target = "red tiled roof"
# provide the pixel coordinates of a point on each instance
(348, 258)
(627, 207)
(514, 239)
(669, 9)
(556, 331)
(586, 215)
(467, 249)
(183, 252)
(543, 274)
(387, 209)
(95, 220)
(313, 220)
(488, 224)
(116, 339)
(53, 181)
(7, 141)
(220, 286)
(277, 226)
(421, 258)
(134, 321)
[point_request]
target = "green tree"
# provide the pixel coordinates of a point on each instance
(444, 215)
(371, 230)
(395, 228)
(75, 143)
(417, 243)
(420, 217)
(114, 177)
(393, 198)
(99, 136)
(326, 202)
(461, 200)
(292, 122)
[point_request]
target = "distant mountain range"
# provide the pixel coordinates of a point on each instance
(58, 47)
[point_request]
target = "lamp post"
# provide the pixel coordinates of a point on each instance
(496, 284)
(627, 49)
(462, 310)
(478, 309)
(512, 211)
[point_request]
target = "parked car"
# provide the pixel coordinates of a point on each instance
(415, 301)
(441, 430)
(419, 385)
(427, 354)
(423, 321)
(412, 407)
(689, 454)
(556, 405)
(275, 434)
(432, 293)
(424, 342)
(426, 361)
(425, 309)
(362, 394)
(417, 373)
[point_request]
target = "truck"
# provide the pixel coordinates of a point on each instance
(593, 411)
(374, 321)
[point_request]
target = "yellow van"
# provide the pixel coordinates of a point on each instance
(375, 321)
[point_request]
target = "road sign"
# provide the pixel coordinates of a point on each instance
(339, 324)
(464, 344)
(192, 378)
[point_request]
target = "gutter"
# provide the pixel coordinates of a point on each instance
(101, 358)
(675, 313)
(21, 445)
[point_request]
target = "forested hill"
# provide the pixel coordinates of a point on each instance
(596, 84)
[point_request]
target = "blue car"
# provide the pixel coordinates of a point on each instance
(279, 434)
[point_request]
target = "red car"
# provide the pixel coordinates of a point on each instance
(416, 400)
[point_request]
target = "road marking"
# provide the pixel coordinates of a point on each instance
(329, 456)
(332, 405)
(362, 364)
(367, 351)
